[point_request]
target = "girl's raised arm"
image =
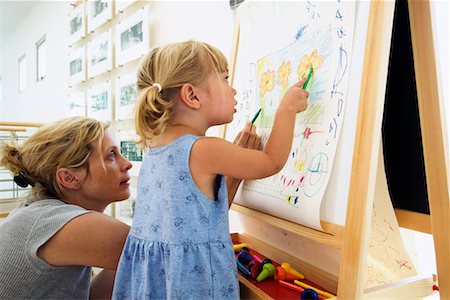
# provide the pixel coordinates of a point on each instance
(218, 156)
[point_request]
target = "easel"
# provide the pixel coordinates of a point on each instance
(353, 241)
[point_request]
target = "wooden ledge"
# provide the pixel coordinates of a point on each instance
(333, 237)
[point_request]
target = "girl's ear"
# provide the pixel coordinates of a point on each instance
(68, 179)
(188, 96)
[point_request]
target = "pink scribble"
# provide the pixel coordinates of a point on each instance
(308, 132)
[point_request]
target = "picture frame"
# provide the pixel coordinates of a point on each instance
(126, 138)
(77, 65)
(77, 103)
(120, 5)
(133, 37)
(126, 94)
(99, 103)
(77, 23)
(100, 54)
(98, 12)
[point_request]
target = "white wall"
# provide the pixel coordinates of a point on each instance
(440, 11)
(45, 101)
(41, 101)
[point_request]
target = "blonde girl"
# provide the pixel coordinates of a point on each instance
(179, 245)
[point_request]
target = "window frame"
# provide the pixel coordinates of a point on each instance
(41, 66)
(22, 66)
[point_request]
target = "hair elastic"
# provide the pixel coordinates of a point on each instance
(22, 180)
(158, 86)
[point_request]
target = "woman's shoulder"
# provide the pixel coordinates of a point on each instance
(35, 207)
(51, 207)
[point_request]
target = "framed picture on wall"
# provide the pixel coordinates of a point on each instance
(77, 23)
(132, 37)
(129, 149)
(125, 96)
(77, 103)
(120, 5)
(77, 65)
(100, 54)
(98, 12)
(99, 101)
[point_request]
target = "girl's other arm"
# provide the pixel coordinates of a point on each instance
(247, 138)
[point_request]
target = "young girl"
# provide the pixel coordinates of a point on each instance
(179, 245)
(49, 243)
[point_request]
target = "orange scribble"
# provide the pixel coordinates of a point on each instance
(283, 73)
(314, 59)
(267, 82)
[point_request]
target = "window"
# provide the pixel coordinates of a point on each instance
(41, 51)
(22, 73)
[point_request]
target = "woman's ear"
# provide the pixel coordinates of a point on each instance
(68, 179)
(189, 97)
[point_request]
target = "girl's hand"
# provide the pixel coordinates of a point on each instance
(295, 99)
(247, 138)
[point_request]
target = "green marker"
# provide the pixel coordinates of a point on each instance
(256, 115)
(305, 85)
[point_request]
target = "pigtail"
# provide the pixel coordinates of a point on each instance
(153, 111)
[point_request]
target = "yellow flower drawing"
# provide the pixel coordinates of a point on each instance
(267, 82)
(314, 59)
(283, 73)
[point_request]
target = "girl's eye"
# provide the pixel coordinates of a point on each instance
(226, 77)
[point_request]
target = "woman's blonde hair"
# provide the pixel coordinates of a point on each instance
(63, 144)
(170, 66)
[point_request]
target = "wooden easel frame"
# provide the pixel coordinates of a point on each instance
(354, 250)
(354, 240)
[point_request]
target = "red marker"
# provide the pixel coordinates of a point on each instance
(291, 286)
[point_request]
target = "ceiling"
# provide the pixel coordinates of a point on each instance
(12, 13)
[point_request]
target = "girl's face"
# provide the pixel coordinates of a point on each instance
(109, 181)
(220, 95)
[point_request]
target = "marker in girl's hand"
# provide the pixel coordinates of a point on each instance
(256, 115)
(307, 84)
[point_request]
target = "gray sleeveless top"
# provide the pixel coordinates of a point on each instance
(23, 275)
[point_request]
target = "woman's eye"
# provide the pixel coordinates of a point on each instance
(112, 154)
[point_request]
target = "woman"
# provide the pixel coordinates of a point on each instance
(49, 243)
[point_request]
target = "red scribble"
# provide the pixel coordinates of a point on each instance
(308, 132)
(388, 224)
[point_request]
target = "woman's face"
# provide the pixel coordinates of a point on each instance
(107, 179)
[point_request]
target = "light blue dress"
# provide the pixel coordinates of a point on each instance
(179, 245)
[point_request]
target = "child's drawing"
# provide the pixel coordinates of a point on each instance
(310, 34)
(305, 173)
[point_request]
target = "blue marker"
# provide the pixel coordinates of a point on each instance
(309, 294)
(243, 269)
(256, 115)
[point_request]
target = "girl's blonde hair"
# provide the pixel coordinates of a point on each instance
(64, 144)
(170, 66)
